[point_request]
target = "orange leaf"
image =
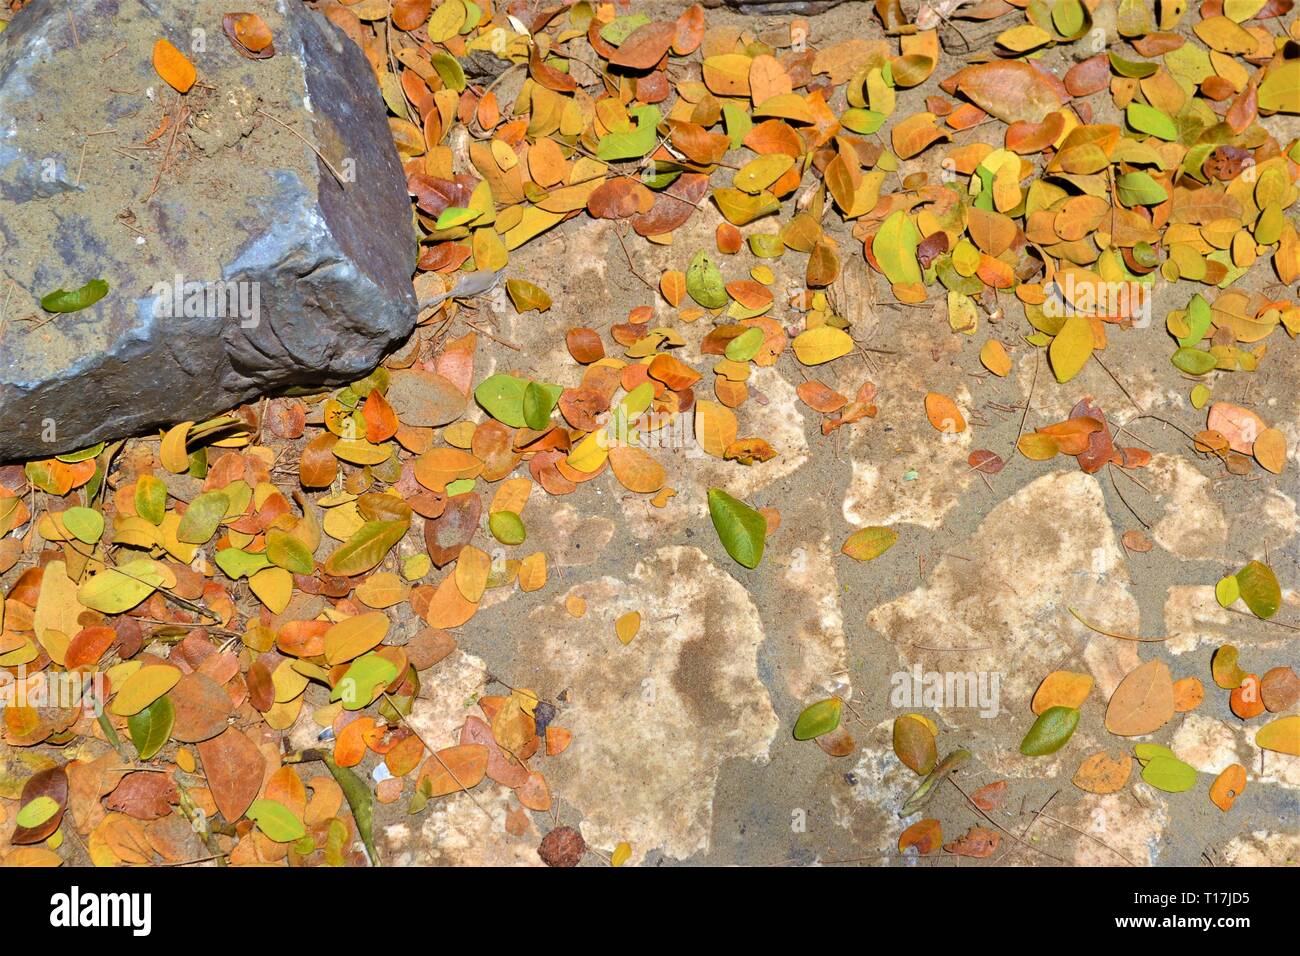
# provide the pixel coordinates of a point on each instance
(173, 66)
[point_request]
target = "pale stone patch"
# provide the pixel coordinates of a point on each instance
(1003, 609)
(817, 664)
(439, 712)
(1129, 827)
(1209, 745)
(880, 490)
(1193, 525)
(653, 722)
(1195, 619)
(1263, 848)
(464, 829)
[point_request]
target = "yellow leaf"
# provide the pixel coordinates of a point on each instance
(627, 625)
(172, 454)
(273, 587)
(353, 636)
(715, 427)
(1071, 348)
(144, 687)
(995, 358)
(821, 344)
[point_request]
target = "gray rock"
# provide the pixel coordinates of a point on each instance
(779, 7)
(237, 262)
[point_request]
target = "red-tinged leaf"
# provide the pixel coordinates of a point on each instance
(977, 842)
(990, 798)
(233, 765)
(673, 206)
(1011, 90)
(986, 461)
(645, 46)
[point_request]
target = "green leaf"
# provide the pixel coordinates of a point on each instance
(1139, 189)
(1227, 590)
(894, 247)
(1169, 774)
(921, 796)
(1148, 119)
(449, 71)
(863, 122)
(704, 282)
(1194, 361)
(819, 718)
(741, 528)
(285, 551)
(86, 524)
(276, 820)
(1199, 317)
(85, 454)
(199, 523)
(360, 801)
(37, 811)
(365, 549)
(1133, 69)
(119, 589)
(150, 499)
(364, 678)
(1259, 589)
(1146, 752)
(151, 727)
(64, 301)
(745, 345)
(454, 216)
(502, 397)
(236, 564)
(620, 28)
(539, 402)
(507, 527)
(636, 143)
(1069, 17)
(1051, 730)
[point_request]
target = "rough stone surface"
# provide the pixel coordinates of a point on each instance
(781, 7)
(123, 180)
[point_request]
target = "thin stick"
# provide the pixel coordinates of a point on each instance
(499, 341)
(1123, 637)
(1038, 358)
(310, 145)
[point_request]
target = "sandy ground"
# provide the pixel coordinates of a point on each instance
(683, 741)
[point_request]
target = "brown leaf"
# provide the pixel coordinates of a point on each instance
(978, 842)
(1143, 702)
(645, 46)
(234, 766)
(145, 796)
(1011, 90)
(445, 535)
(201, 706)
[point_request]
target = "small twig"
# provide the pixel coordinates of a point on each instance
(478, 328)
(1038, 358)
(632, 268)
(1111, 471)
(1123, 637)
(310, 145)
